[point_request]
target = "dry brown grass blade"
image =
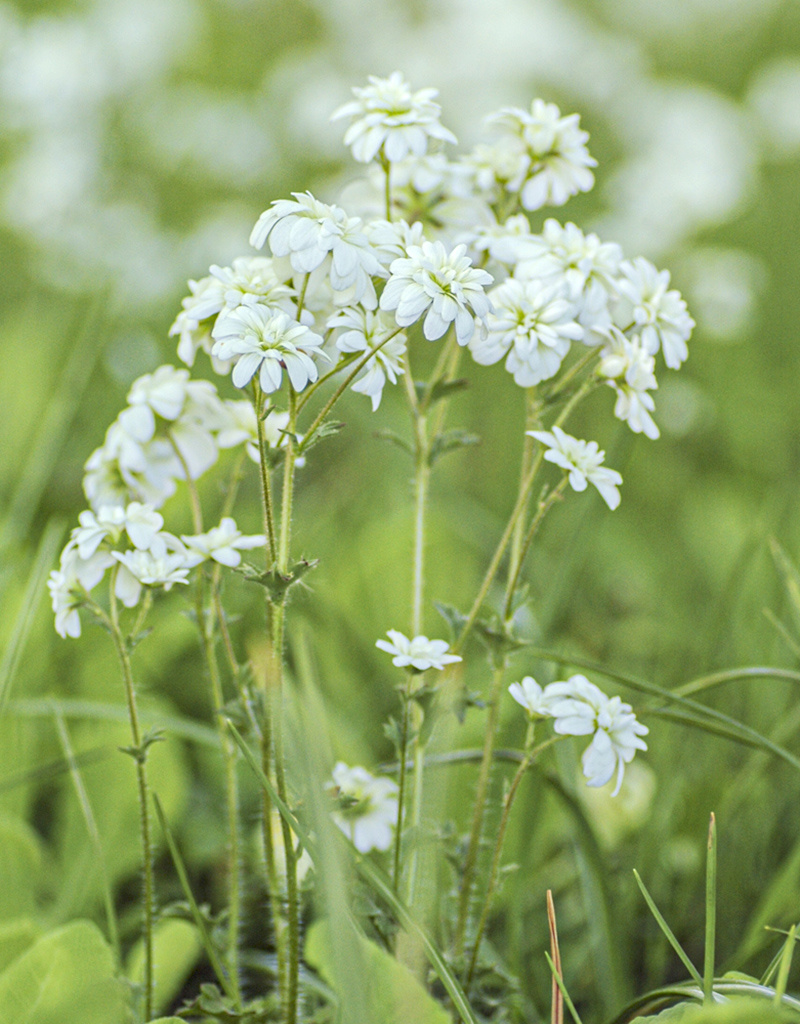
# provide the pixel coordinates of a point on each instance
(557, 1011)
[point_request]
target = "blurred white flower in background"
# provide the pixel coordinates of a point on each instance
(366, 807)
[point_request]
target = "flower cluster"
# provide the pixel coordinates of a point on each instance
(579, 708)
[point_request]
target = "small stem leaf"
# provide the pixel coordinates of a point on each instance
(450, 441)
(385, 434)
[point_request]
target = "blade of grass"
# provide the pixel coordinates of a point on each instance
(711, 911)
(786, 963)
(377, 880)
(62, 405)
(94, 835)
(733, 675)
(775, 962)
(665, 928)
(90, 709)
(562, 989)
(180, 868)
(29, 604)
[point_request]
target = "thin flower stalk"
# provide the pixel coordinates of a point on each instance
(495, 867)
(401, 785)
(341, 389)
(481, 793)
(266, 490)
(543, 508)
(206, 625)
(139, 753)
(275, 683)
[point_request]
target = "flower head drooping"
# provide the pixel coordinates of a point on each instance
(660, 315)
(365, 330)
(418, 654)
(628, 368)
(266, 341)
(557, 161)
(222, 544)
(444, 286)
(308, 231)
(532, 322)
(391, 121)
(582, 460)
(582, 709)
(366, 807)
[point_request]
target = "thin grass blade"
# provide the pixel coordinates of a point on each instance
(668, 932)
(562, 988)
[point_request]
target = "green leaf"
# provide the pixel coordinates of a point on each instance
(20, 868)
(15, 937)
(790, 578)
(453, 617)
(67, 977)
(326, 429)
(276, 583)
(449, 442)
(385, 434)
(391, 993)
(445, 388)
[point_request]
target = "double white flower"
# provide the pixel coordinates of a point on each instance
(443, 286)
(266, 341)
(579, 708)
(391, 121)
(582, 461)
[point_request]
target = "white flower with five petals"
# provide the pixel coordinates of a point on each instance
(582, 461)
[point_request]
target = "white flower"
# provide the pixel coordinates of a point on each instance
(443, 285)
(65, 601)
(157, 567)
(140, 522)
(391, 238)
(563, 251)
(367, 807)
(629, 369)
(192, 333)
(558, 161)
(363, 331)
(266, 342)
(660, 316)
(508, 243)
(251, 279)
(534, 323)
(222, 543)
(308, 232)
(581, 709)
(498, 165)
(419, 654)
(582, 460)
(532, 697)
(390, 120)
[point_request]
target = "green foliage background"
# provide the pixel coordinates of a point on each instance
(138, 144)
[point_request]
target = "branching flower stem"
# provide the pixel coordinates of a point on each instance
(266, 491)
(517, 514)
(139, 751)
(341, 389)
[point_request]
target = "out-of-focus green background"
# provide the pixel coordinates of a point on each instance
(138, 144)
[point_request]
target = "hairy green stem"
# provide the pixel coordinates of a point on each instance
(542, 509)
(481, 793)
(401, 787)
(140, 757)
(266, 489)
(494, 870)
